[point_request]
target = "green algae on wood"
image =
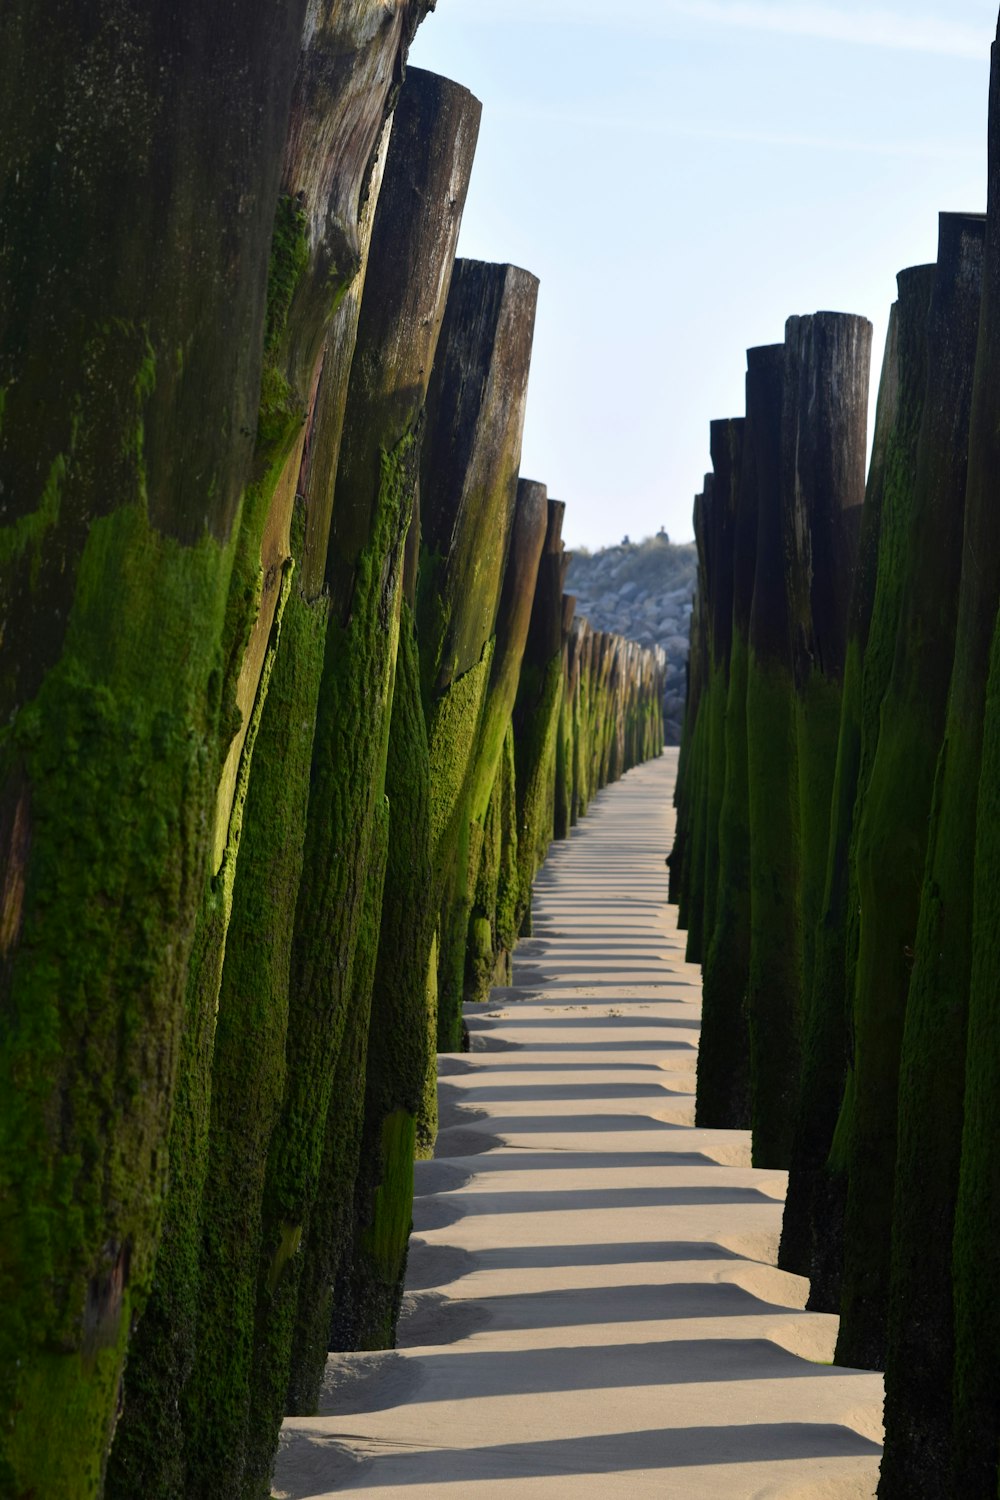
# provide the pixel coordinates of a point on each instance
(165, 1353)
(468, 495)
(486, 791)
(347, 785)
(113, 644)
(925, 1433)
(726, 445)
(976, 1417)
(893, 825)
(773, 992)
(249, 1055)
(723, 1092)
(824, 440)
(536, 713)
(810, 1241)
(400, 1080)
(328, 1238)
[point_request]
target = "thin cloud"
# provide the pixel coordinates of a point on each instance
(831, 23)
(809, 19)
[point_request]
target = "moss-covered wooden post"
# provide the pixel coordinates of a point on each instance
(773, 992)
(685, 797)
(536, 714)
(812, 1238)
(127, 448)
(892, 830)
(492, 930)
(583, 646)
(723, 1095)
(565, 817)
(826, 1042)
(924, 1451)
(692, 906)
(319, 243)
(434, 133)
(726, 446)
(248, 1059)
(335, 934)
(468, 493)
(824, 442)
(976, 1422)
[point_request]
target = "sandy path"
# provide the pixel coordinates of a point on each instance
(591, 1307)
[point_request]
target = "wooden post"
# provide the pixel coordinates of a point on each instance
(723, 1096)
(941, 1447)
(536, 714)
(892, 832)
(309, 1193)
(468, 493)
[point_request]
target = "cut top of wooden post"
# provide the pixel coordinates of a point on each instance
(824, 445)
(470, 459)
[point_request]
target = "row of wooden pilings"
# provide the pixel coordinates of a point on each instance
(838, 859)
(218, 1071)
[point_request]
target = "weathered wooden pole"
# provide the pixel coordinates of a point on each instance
(177, 484)
(723, 1094)
(892, 831)
(812, 1235)
(434, 134)
(773, 992)
(976, 1421)
(347, 817)
(565, 748)
(940, 1446)
(693, 905)
(685, 795)
(469, 473)
(583, 646)
(536, 713)
(157, 1427)
(824, 441)
(492, 931)
(726, 446)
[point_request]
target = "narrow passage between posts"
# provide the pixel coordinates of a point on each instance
(592, 1306)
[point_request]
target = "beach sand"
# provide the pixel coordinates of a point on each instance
(592, 1307)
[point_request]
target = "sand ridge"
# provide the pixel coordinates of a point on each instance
(592, 1306)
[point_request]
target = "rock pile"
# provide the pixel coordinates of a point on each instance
(643, 591)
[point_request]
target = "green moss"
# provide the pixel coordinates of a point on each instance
(148, 1453)
(249, 1053)
(150, 1440)
(811, 1218)
(536, 729)
(289, 262)
(774, 997)
(427, 1117)
(977, 1219)
(347, 790)
(564, 816)
(30, 531)
(483, 943)
(387, 1238)
(117, 750)
(452, 731)
(890, 853)
(325, 1279)
(723, 1097)
(704, 877)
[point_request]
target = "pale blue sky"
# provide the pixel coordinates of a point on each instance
(683, 175)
